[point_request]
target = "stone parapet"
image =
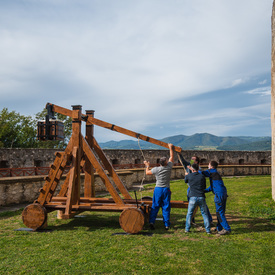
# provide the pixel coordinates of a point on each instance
(18, 190)
(19, 158)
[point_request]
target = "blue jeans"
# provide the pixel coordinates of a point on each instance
(161, 198)
(193, 202)
(208, 212)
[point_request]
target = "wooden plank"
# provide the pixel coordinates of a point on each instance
(111, 170)
(71, 186)
(113, 127)
(57, 178)
(77, 142)
(53, 178)
(61, 110)
(88, 207)
(129, 133)
(89, 153)
(174, 204)
(64, 187)
(89, 180)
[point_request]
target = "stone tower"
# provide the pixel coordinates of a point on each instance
(273, 99)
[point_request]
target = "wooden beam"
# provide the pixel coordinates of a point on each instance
(53, 178)
(83, 200)
(111, 170)
(92, 158)
(77, 142)
(61, 110)
(113, 127)
(89, 180)
(129, 133)
(71, 187)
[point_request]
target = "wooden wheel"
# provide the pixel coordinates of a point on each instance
(132, 220)
(34, 216)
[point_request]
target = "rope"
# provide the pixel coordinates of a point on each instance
(141, 150)
(181, 163)
(144, 174)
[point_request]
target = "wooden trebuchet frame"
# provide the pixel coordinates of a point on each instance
(85, 153)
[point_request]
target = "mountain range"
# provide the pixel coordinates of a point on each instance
(202, 141)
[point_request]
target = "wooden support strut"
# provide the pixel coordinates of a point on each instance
(111, 170)
(89, 180)
(71, 186)
(92, 158)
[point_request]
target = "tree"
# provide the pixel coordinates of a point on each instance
(19, 131)
(16, 131)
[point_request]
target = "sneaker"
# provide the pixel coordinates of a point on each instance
(224, 232)
(167, 227)
(152, 226)
(208, 233)
(186, 231)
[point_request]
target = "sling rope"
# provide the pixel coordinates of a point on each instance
(181, 163)
(144, 174)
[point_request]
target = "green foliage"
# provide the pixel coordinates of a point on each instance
(16, 131)
(19, 131)
(95, 243)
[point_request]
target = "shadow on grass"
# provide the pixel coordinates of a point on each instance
(8, 214)
(239, 224)
(91, 221)
(101, 221)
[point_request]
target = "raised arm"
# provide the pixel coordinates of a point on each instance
(147, 165)
(171, 148)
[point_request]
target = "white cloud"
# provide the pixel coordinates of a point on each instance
(127, 59)
(263, 91)
(263, 82)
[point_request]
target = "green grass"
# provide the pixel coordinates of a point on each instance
(93, 244)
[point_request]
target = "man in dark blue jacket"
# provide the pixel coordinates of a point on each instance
(219, 190)
(197, 186)
(187, 165)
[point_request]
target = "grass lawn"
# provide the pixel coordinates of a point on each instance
(95, 243)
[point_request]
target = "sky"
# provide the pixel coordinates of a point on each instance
(160, 68)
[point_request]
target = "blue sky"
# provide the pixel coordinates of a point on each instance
(160, 68)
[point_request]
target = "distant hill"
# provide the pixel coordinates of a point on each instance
(202, 141)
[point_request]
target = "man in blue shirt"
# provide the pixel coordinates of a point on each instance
(219, 190)
(197, 184)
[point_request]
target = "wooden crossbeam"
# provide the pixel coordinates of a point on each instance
(110, 126)
(111, 170)
(92, 158)
(92, 201)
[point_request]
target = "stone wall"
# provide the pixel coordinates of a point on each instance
(18, 158)
(26, 189)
